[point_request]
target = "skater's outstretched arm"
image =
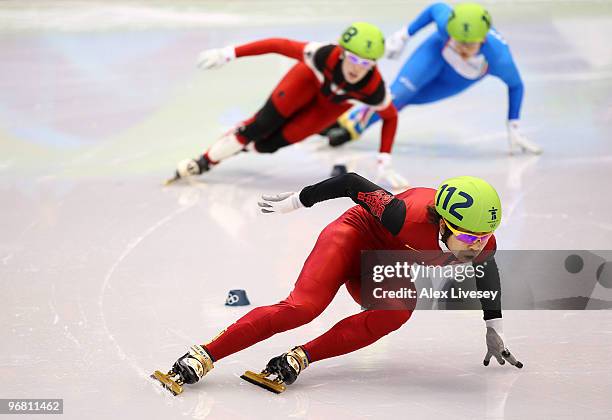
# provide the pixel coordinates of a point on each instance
(388, 129)
(496, 346)
(282, 46)
(489, 281)
(217, 57)
(502, 65)
(437, 12)
(381, 204)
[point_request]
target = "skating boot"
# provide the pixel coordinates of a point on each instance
(337, 136)
(343, 131)
(188, 369)
(189, 167)
(280, 371)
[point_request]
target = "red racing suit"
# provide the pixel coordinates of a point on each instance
(311, 96)
(380, 221)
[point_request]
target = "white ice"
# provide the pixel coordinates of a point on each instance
(107, 276)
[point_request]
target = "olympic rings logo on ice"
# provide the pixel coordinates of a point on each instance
(232, 299)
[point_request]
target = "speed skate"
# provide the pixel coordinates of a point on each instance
(263, 380)
(171, 381)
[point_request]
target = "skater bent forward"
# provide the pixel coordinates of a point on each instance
(456, 222)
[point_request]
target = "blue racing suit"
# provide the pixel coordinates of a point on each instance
(435, 71)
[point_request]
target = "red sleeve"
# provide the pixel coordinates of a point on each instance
(286, 47)
(389, 126)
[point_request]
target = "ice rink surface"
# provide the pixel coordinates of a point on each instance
(106, 275)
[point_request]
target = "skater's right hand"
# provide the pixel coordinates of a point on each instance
(280, 203)
(496, 347)
(519, 142)
(215, 58)
(394, 45)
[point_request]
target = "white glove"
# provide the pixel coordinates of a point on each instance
(495, 345)
(518, 141)
(215, 58)
(280, 203)
(394, 45)
(386, 176)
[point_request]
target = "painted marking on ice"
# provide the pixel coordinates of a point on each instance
(105, 284)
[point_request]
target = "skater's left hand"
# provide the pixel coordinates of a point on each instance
(386, 175)
(280, 203)
(215, 58)
(496, 347)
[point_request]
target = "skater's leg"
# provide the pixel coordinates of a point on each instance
(297, 88)
(355, 332)
(309, 120)
(441, 88)
(348, 335)
(293, 92)
(325, 270)
(334, 258)
(269, 144)
(313, 119)
(423, 66)
(352, 124)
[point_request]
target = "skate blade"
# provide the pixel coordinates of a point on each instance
(260, 379)
(172, 180)
(167, 383)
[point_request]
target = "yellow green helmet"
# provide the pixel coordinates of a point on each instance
(469, 203)
(469, 22)
(364, 39)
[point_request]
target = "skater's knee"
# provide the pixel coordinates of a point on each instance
(266, 121)
(383, 322)
(396, 319)
(401, 317)
(302, 313)
(262, 147)
(279, 317)
(287, 315)
(271, 144)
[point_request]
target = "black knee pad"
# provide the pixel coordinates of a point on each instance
(267, 121)
(271, 144)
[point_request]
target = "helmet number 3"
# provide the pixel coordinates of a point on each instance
(349, 33)
(458, 205)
